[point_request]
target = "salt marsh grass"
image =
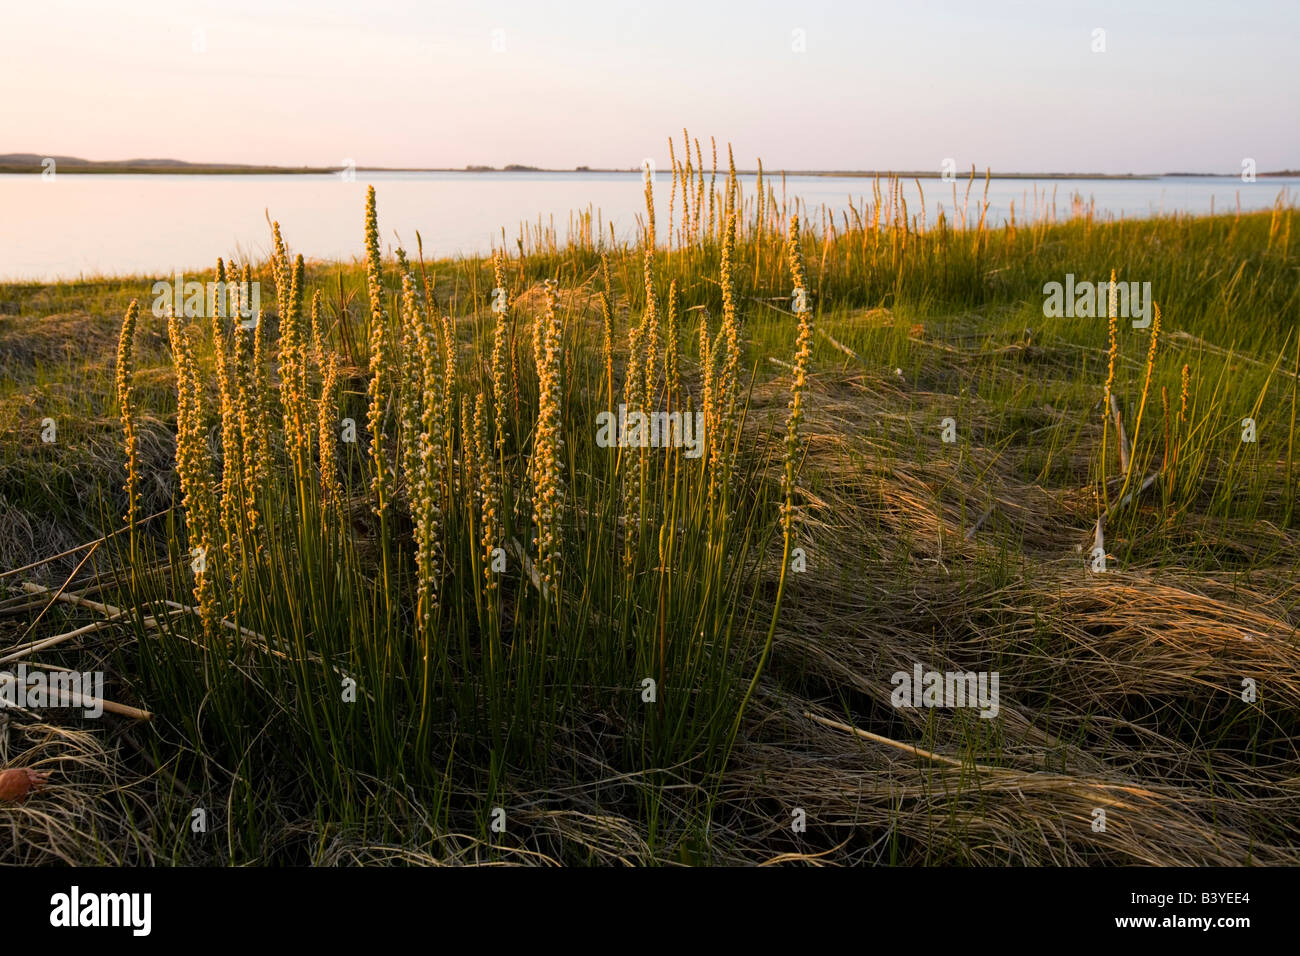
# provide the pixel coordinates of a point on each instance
(377, 576)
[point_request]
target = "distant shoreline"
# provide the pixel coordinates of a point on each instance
(96, 170)
(31, 164)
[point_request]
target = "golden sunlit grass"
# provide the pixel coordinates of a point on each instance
(356, 650)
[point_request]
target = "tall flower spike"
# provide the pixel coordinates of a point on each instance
(607, 342)
(795, 253)
(426, 492)
(448, 329)
(488, 490)
(713, 184)
(708, 394)
(798, 383)
(228, 303)
(649, 206)
(280, 271)
(327, 420)
(728, 382)
(630, 457)
(194, 474)
(1146, 388)
(500, 344)
(731, 186)
(381, 363)
(650, 322)
(261, 456)
(672, 332)
(1112, 351)
(672, 196)
(1186, 390)
(650, 335)
(317, 333)
(126, 406)
(219, 343)
(411, 404)
(246, 291)
(548, 444)
(247, 410)
(699, 192)
(1155, 339)
(292, 370)
(469, 453)
(232, 452)
(688, 179)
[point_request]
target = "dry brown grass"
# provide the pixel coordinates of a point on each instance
(95, 810)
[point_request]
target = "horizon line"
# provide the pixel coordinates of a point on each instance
(32, 163)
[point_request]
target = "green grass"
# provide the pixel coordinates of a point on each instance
(533, 702)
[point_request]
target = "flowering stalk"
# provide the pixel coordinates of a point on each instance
(126, 406)
(727, 386)
(799, 380)
(548, 445)
(326, 423)
(1146, 387)
(381, 363)
(489, 492)
(425, 497)
(672, 371)
(195, 475)
(607, 340)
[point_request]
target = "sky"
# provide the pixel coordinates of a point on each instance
(815, 84)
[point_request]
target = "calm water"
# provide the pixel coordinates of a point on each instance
(75, 225)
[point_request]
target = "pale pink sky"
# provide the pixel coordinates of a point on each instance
(1191, 86)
